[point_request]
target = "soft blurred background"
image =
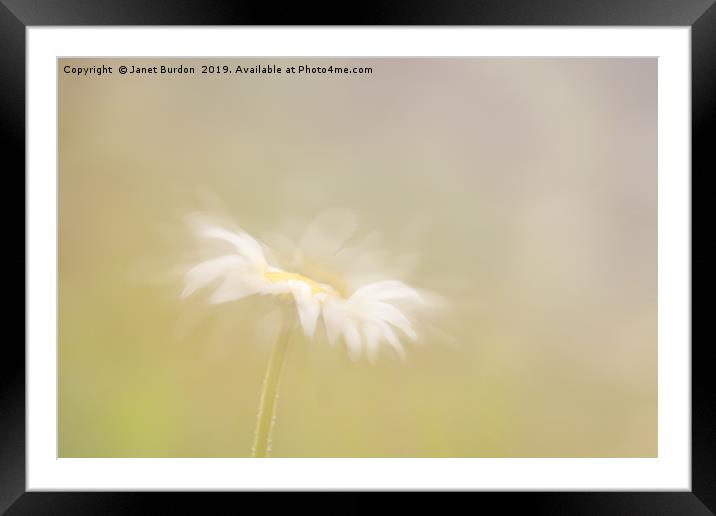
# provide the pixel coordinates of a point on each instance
(524, 191)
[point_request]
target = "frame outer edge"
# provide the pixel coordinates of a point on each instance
(703, 127)
(12, 385)
(12, 364)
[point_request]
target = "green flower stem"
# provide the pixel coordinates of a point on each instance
(269, 395)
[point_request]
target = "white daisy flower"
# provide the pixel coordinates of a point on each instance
(364, 318)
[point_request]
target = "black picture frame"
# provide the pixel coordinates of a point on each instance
(17, 15)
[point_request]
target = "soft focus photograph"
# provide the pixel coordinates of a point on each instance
(357, 257)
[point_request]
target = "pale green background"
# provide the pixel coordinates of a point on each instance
(525, 187)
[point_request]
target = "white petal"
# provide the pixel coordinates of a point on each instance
(388, 313)
(244, 243)
(307, 306)
(205, 272)
(275, 289)
(392, 339)
(350, 332)
(232, 289)
(372, 336)
(386, 290)
(333, 315)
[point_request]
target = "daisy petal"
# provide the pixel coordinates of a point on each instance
(386, 290)
(233, 288)
(205, 272)
(350, 332)
(333, 313)
(307, 306)
(245, 244)
(372, 336)
(392, 339)
(388, 313)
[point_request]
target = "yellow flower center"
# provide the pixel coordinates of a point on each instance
(281, 276)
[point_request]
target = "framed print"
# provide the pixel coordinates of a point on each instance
(445, 252)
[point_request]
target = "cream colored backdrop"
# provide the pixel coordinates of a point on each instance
(524, 191)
